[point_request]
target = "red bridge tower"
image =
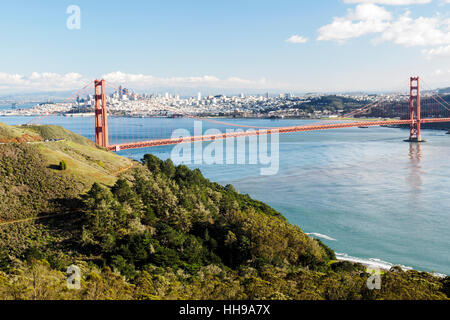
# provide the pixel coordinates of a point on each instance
(101, 115)
(414, 113)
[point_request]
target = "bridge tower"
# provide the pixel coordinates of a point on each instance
(101, 115)
(414, 111)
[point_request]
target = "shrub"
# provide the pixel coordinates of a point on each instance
(63, 165)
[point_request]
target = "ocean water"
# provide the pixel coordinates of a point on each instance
(364, 192)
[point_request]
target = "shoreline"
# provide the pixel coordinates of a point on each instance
(372, 263)
(229, 117)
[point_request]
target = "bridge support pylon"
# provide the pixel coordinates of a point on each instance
(414, 111)
(101, 115)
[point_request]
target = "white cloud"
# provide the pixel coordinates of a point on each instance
(370, 12)
(443, 51)
(41, 81)
(297, 39)
(438, 78)
(141, 81)
(391, 2)
(417, 32)
(364, 19)
(370, 18)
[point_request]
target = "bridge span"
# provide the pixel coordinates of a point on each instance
(278, 130)
(412, 112)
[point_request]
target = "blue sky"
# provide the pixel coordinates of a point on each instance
(341, 45)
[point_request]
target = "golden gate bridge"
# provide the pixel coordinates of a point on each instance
(412, 113)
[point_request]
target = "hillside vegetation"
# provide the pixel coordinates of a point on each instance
(30, 180)
(330, 103)
(10, 134)
(152, 230)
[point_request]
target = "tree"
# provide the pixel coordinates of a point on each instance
(153, 163)
(446, 286)
(63, 165)
(124, 194)
(168, 168)
(105, 216)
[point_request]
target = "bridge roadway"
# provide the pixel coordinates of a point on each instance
(190, 139)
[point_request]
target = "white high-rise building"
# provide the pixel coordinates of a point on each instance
(199, 96)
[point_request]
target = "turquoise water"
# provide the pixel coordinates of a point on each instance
(364, 192)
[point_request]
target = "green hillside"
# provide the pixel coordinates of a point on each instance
(10, 134)
(152, 230)
(47, 132)
(30, 180)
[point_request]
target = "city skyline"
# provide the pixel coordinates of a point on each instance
(254, 46)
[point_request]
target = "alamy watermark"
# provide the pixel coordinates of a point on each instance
(74, 20)
(374, 281)
(74, 278)
(249, 147)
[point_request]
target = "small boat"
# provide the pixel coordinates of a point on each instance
(362, 127)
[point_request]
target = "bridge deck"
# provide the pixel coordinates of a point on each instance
(171, 141)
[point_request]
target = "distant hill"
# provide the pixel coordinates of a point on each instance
(444, 90)
(152, 230)
(332, 103)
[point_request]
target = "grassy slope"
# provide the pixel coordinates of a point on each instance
(10, 134)
(30, 181)
(57, 132)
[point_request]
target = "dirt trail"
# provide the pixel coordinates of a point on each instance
(124, 169)
(6, 223)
